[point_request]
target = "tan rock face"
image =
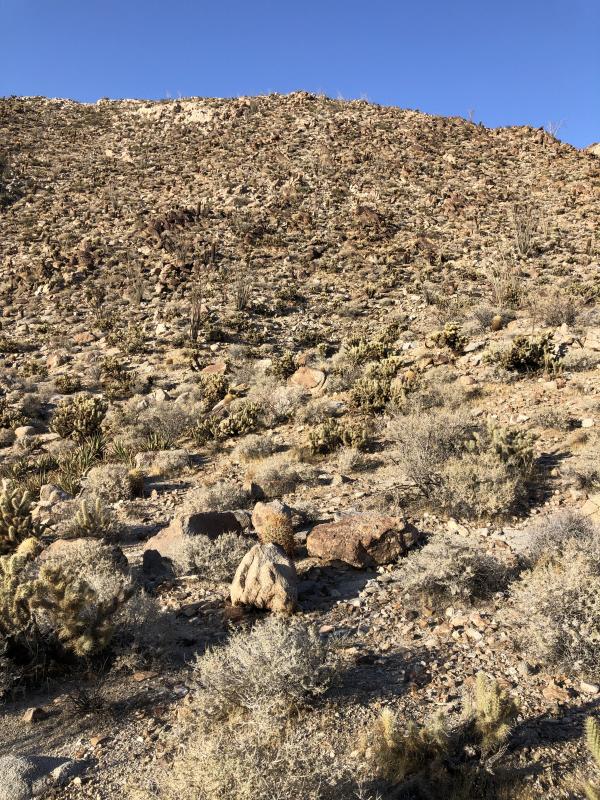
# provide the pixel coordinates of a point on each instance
(308, 378)
(362, 540)
(266, 578)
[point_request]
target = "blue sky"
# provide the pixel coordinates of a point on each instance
(504, 62)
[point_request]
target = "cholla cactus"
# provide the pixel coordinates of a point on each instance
(494, 711)
(15, 591)
(81, 620)
(451, 336)
(592, 739)
(16, 523)
(529, 353)
(79, 417)
(277, 529)
(241, 420)
(92, 519)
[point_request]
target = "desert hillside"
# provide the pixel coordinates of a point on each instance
(299, 442)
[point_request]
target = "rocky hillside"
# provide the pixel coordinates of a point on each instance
(299, 411)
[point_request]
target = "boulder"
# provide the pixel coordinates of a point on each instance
(265, 514)
(162, 462)
(308, 378)
(362, 540)
(266, 578)
(592, 339)
(23, 777)
(169, 541)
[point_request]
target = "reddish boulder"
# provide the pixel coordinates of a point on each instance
(362, 540)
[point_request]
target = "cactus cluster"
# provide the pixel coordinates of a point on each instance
(241, 420)
(277, 529)
(92, 519)
(15, 589)
(283, 366)
(81, 620)
(333, 434)
(16, 522)
(79, 417)
(451, 336)
(530, 354)
(438, 760)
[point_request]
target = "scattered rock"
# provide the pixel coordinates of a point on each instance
(308, 378)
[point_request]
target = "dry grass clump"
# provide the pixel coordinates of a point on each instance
(549, 535)
(111, 482)
(278, 403)
(558, 602)
(254, 447)
(274, 668)
(257, 759)
(350, 459)
(213, 559)
(276, 475)
(438, 761)
(451, 568)
(466, 471)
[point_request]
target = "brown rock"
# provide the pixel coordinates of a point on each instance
(34, 714)
(362, 540)
(169, 541)
(308, 378)
(217, 368)
(266, 578)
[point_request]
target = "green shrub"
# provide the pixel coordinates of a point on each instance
(529, 354)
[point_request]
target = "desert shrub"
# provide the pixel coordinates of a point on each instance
(529, 354)
(213, 388)
(277, 403)
(437, 760)
(559, 604)
(255, 447)
(333, 434)
(556, 309)
(350, 459)
(221, 496)
(276, 475)
(214, 559)
(243, 418)
(16, 521)
(525, 221)
(451, 568)
(584, 469)
(79, 417)
(277, 666)
(111, 482)
(549, 535)
(465, 471)
(74, 465)
(115, 380)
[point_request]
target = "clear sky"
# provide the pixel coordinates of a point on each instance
(504, 62)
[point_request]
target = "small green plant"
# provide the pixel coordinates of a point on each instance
(92, 519)
(80, 417)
